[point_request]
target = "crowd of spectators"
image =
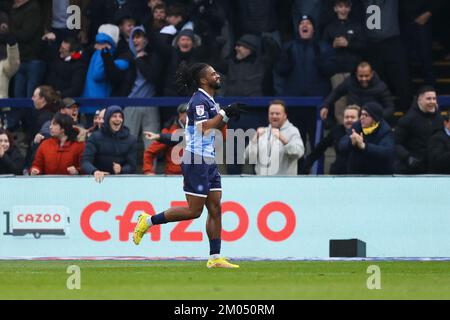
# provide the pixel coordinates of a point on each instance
(133, 48)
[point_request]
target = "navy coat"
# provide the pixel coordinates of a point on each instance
(378, 156)
(105, 147)
(305, 67)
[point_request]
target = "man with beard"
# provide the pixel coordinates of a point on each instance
(202, 182)
(364, 86)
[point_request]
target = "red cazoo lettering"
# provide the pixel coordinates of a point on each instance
(38, 218)
(180, 231)
(243, 224)
(288, 214)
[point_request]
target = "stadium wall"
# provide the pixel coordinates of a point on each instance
(264, 217)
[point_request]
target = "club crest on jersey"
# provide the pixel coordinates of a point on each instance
(200, 110)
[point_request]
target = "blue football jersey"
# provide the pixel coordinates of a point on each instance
(202, 107)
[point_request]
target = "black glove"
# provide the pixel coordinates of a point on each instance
(234, 110)
(414, 162)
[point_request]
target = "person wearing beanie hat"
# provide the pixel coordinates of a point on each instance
(186, 39)
(112, 149)
(249, 41)
(371, 117)
(304, 68)
(306, 17)
(250, 71)
(109, 30)
(371, 145)
(105, 67)
(186, 48)
(375, 110)
(187, 33)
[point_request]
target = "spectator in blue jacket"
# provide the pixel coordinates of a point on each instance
(371, 145)
(104, 69)
(110, 150)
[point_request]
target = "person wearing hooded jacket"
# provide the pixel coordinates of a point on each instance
(371, 145)
(304, 68)
(110, 150)
(186, 48)
(141, 80)
(306, 63)
(249, 70)
(105, 69)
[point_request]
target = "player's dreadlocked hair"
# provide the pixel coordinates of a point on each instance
(188, 77)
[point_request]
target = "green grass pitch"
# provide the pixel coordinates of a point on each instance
(191, 280)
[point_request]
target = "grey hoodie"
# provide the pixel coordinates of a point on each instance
(271, 157)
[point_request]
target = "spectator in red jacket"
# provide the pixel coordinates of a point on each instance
(164, 143)
(61, 154)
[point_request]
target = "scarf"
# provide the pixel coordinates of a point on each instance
(370, 130)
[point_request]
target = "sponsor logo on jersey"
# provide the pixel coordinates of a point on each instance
(200, 110)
